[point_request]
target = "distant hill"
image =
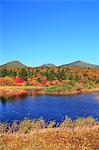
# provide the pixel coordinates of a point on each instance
(81, 64)
(47, 65)
(13, 64)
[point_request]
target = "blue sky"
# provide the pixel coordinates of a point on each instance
(59, 32)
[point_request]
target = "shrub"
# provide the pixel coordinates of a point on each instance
(25, 125)
(67, 122)
(89, 121)
(51, 124)
(39, 79)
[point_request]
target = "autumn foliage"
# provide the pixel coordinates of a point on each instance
(46, 76)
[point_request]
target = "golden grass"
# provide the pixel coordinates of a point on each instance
(14, 90)
(81, 134)
(20, 87)
(90, 90)
(52, 139)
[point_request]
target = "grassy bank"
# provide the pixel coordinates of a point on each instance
(60, 89)
(63, 89)
(19, 90)
(20, 87)
(81, 134)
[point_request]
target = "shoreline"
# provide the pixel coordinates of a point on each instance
(40, 90)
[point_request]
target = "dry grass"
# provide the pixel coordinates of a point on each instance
(20, 87)
(81, 134)
(15, 90)
(90, 90)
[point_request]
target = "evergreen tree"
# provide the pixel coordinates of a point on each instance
(3, 72)
(39, 79)
(13, 73)
(23, 74)
(30, 74)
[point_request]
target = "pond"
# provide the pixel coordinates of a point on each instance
(49, 107)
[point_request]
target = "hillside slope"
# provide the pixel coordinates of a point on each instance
(81, 64)
(13, 64)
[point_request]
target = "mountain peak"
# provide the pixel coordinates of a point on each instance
(48, 65)
(13, 64)
(82, 64)
(78, 63)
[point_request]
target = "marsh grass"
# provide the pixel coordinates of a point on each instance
(59, 88)
(88, 87)
(20, 87)
(80, 134)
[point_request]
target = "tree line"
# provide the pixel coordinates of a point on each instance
(54, 73)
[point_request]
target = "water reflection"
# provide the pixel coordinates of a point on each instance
(19, 106)
(11, 99)
(3, 100)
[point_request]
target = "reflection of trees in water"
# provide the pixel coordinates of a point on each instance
(11, 99)
(21, 96)
(33, 92)
(4, 99)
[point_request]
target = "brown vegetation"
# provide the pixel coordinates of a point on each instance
(36, 90)
(81, 134)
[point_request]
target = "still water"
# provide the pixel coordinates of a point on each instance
(49, 107)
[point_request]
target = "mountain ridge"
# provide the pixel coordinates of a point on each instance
(48, 65)
(79, 63)
(13, 64)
